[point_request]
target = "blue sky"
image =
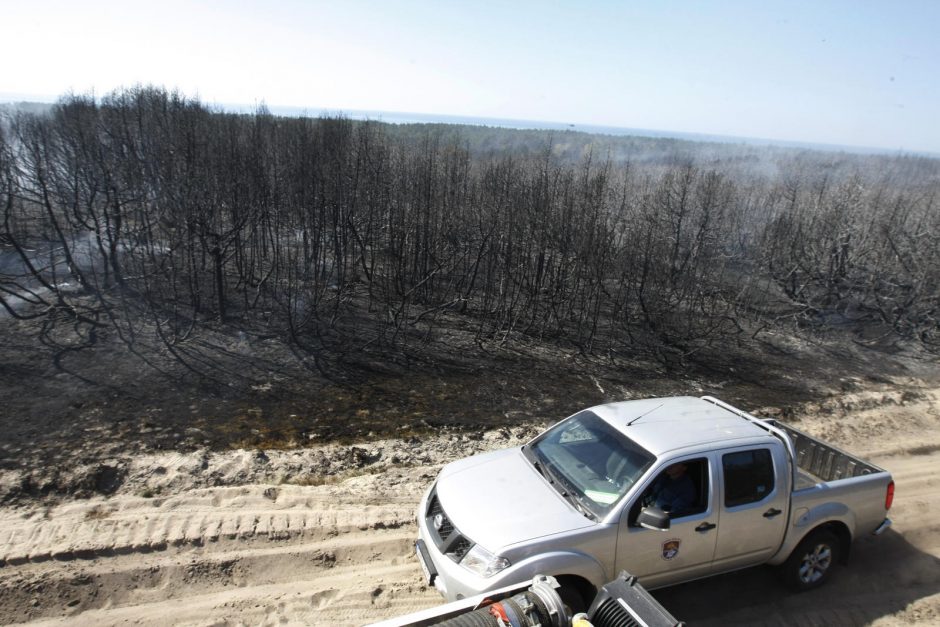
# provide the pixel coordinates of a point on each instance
(825, 71)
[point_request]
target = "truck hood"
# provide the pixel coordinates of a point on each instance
(498, 499)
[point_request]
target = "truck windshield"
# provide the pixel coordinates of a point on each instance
(586, 458)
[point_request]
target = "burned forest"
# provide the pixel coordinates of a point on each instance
(264, 280)
(149, 214)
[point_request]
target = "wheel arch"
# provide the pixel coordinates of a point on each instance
(566, 563)
(832, 516)
(836, 527)
(841, 531)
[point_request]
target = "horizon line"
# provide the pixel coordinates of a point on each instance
(516, 124)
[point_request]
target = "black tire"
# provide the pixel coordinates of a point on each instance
(811, 563)
(572, 597)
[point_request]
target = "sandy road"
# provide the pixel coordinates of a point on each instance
(341, 553)
(251, 555)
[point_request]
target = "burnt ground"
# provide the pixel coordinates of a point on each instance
(69, 402)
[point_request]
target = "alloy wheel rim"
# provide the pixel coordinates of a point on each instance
(815, 563)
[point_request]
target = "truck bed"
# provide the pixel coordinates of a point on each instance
(819, 462)
(828, 479)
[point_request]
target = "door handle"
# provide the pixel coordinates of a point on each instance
(770, 513)
(705, 527)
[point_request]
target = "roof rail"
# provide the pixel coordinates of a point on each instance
(763, 424)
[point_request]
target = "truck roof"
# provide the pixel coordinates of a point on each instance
(666, 424)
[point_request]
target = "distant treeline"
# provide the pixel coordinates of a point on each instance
(147, 210)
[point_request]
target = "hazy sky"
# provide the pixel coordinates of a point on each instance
(844, 72)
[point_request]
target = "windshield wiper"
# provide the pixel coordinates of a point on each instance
(576, 500)
(582, 507)
(561, 484)
(538, 462)
(542, 466)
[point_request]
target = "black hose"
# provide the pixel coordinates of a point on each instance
(476, 618)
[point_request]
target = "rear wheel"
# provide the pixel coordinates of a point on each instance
(811, 563)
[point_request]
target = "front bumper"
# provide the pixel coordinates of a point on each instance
(424, 558)
(452, 580)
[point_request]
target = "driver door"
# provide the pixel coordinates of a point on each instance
(687, 548)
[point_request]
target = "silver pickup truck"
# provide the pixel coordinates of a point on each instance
(671, 489)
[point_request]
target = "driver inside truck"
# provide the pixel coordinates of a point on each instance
(672, 491)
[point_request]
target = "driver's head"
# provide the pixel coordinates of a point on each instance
(676, 470)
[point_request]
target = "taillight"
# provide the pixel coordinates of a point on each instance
(889, 496)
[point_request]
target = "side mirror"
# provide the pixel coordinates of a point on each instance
(653, 518)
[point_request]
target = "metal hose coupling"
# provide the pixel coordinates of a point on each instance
(539, 606)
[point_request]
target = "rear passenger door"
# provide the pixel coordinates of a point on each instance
(753, 502)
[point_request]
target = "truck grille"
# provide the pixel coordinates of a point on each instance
(433, 510)
(461, 547)
(446, 537)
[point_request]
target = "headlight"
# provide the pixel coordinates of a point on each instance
(483, 563)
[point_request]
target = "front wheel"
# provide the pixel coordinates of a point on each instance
(572, 598)
(811, 563)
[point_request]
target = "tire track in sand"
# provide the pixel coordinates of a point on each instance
(260, 551)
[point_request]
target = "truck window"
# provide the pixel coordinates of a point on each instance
(680, 490)
(749, 476)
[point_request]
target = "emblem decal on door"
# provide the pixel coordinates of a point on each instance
(671, 548)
